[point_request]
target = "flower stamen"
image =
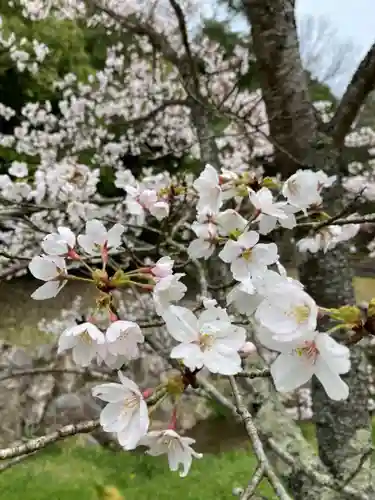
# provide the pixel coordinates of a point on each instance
(308, 350)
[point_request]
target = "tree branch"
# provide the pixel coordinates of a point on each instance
(318, 477)
(41, 442)
(257, 443)
(7, 374)
(360, 86)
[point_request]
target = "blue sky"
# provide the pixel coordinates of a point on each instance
(353, 20)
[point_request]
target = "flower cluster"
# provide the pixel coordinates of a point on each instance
(225, 216)
(282, 316)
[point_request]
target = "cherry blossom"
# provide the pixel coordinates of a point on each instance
(205, 341)
(247, 256)
(97, 238)
(18, 169)
(327, 238)
(140, 201)
(60, 150)
(168, 289)
(314, 353)
(271, 213)
(208, 188)
(126, 413)
(178, 448)
(51, 269)
(59, 243)
(303, 188)
(122, 338)
(206, 231)
(287, 311)
(163, 267)
(85, 341)
(230, 223)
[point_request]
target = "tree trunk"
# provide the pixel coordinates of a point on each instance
(283, 80)
(343, 429)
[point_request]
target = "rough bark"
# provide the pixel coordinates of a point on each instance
(343, 429)
(273, 423)
(362, 83)
(207, 145)
(283, 79)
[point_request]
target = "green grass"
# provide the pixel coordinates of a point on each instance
(72, 473)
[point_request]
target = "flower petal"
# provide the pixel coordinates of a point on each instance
(43, 269)
(114, 236)
(181, 323)
(248, 239)
(49, 290)
(111, 392)
(190, 354)
(334, 386)
(230, 251)
(290, 372)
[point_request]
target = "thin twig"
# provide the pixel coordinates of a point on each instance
(7, 374)
(361, 462)
(253, 483)
(265, 372)
(341, 222)
(257, 443)
(41, 442)
(14, 461)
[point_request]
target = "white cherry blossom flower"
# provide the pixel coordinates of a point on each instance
(18, 169)
(160, 210)
(178, 448)
(5, 182)
(205, 243)
(312, 354)
(133, 205)
(247, 295)
(324, 179)
(168, 289)
(287, 311)
(248, 257)
(208, 188)
(205, 341)
(97, 238)
(272, 213)
(230, 222)
(303, 188)
(126, 413)
(122, 338)
(244, 298)
(59, 243)
(140, 200)
(324, 239)
(84, 340)
(163, 267)
(51, 269)
(263, 202)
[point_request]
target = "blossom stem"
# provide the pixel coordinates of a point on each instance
(70, 277)
(173, 422)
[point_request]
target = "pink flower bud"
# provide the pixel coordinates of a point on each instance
(147, 393)
(112, 317)
(73, 254)
(248, 349)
